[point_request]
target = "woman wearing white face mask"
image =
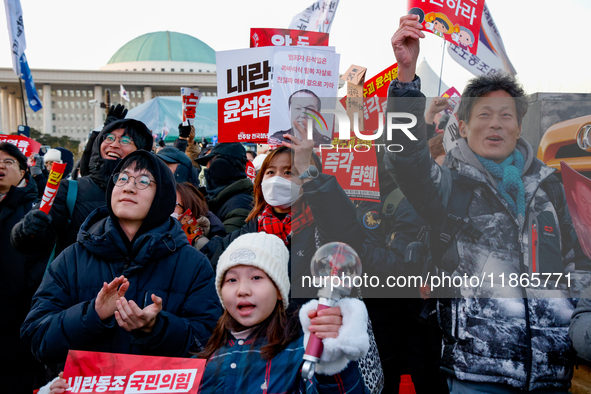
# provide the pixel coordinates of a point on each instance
(296, 202)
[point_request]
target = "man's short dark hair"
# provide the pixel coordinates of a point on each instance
(488, 83)
(139, 163)
(12, 150)
(307, 91)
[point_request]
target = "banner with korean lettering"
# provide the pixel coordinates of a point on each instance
(456, 21)
(261, 37)
(491, 55)
(244, 94)
(354, 164)
(191, 98)
(305, 80)
(93, 372)
(26, 145)
(317, 17)
(375, 90)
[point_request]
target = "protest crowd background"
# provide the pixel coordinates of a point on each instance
(198, 246)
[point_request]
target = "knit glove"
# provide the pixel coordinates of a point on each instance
(37, 168)
(352, 342)
(35, 223)
(115, 113)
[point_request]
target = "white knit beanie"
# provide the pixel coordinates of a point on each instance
(264, 251)
(52, 155)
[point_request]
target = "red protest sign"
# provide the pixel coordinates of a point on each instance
(26, 145)
(355, 166)
(244, 94)
(456, 21)
(251, 172)
(93, 372)
(376, 92)
(260, 37)
(239, 117)
(53, 183)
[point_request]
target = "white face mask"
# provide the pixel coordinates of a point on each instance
(279, 192)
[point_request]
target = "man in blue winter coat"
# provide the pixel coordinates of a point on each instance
(132, 283)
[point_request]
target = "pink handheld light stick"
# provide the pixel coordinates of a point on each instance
(336, 265)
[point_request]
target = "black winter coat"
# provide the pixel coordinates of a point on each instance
(162, 262)
(20, 276)
(334, 220)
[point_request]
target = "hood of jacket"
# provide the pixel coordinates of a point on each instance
(101, 237)
(223, 194)
(100, 168)
(164, 199)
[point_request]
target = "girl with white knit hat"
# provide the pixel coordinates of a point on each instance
(256, 347)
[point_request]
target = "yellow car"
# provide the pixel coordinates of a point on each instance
(568, 141)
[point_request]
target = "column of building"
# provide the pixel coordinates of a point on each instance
(4, 110)
(47, 110)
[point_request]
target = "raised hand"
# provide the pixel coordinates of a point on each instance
(405, 43)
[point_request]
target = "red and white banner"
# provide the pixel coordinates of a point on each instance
(491, 55)
(53, 183)
(456, 21)
(355, 166)
(260, 37)
(375, 90)
(244, 94)
(26, 145)
(93, 372)
(191, 98)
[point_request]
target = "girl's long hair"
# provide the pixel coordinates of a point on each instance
(259, 200)
(280, 329)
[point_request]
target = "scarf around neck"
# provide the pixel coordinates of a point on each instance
(510, 185)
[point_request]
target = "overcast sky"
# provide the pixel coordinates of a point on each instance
(547, 40)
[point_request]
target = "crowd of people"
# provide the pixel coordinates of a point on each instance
(174, 251)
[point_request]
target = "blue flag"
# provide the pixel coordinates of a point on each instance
(27, 77)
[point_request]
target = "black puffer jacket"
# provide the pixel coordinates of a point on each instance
(507, 333)
(20, 276)
(334, 220)
(159, 260)
(91, 195)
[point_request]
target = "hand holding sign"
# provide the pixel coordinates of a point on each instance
(405, 43)
(302, 147)
(105, 303)
(131, 317)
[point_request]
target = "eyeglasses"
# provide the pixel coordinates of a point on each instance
(179, 205)
(125, 140)
(8, 162)
(141, 182)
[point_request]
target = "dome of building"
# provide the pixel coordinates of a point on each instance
(163, 51)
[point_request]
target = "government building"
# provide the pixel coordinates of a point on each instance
(154, 64)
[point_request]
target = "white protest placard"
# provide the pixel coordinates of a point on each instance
(244, 94)
(304, 80)
(191, 98)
